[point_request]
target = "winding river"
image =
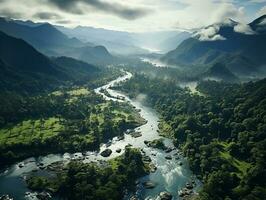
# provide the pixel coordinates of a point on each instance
(170, 175)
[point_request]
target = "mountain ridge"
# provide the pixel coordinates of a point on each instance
(243, 54)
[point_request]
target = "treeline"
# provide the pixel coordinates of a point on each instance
(222, 131)
(94, 181)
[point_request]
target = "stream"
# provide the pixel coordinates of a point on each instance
(171, 174)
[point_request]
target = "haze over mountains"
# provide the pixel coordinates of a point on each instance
(50, 41)
(128, 43)
(240, 47)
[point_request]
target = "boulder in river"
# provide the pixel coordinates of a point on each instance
(108, 144)
(146, 159)
(5, 197)
(157, 143)
(134, 198)
(168, 157)
(118, 150)
(165, 196)
(189, 186)
(128, 145)
(106, 153)
(168, 150)
(21, 165)
(149, 184)
(43, 196)
(153, 168)
(136, 134)
(120, 137)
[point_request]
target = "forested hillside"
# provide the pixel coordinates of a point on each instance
(221, 130)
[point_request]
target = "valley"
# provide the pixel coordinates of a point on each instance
(119, 100)
(174, 174)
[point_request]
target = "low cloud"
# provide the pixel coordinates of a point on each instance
(47, 15)
(77, 7)
(209, 34)
(244, 28)
(63, 22)
(10, 13)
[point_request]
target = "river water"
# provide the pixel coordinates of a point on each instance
(170, 175)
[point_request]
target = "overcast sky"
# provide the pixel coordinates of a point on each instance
(133, 15)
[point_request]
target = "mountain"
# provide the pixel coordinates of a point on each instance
(220, 72)
(50, 41)
(22, 66)
(77, 69)
(43, 37)
(126, 43)
(24, 69)
(17, 53)
(118, 42)
(93, 55)
(240, 47)
(259, 25)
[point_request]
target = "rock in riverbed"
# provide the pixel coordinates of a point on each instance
(169, 149)
(168, 157)
(146, 159)
(189, 186)
(120, 137)
(21, 165)
(136, 134)
(43, 196)
(118, 150)
(157, 143)
(106, 153)
(5, 197)
(149, 185)
(133, 198)
(165, 196)
(153, 168)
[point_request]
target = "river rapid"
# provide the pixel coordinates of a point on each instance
(171, 174)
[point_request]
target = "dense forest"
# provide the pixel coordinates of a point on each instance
(220, 128)
(92, 181)
(70, 119)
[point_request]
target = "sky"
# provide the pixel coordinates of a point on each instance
(134, 15)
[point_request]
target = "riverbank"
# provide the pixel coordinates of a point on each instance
(168, 175)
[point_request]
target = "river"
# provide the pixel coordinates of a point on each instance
(170, 175)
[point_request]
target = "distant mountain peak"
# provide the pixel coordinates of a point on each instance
(47, 26)
(259, 24)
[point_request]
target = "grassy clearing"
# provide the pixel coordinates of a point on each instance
(74, 92)
(79, 92)
(115, 112)
(240, 165)
(30, 130)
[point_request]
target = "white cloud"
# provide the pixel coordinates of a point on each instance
(209, 34)
(163, 15)
(243, 28)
